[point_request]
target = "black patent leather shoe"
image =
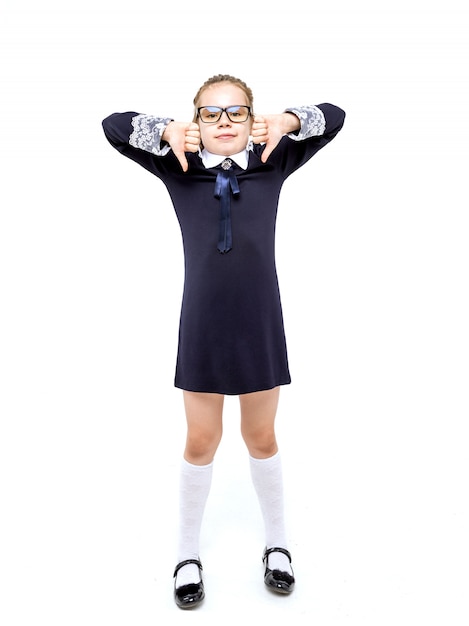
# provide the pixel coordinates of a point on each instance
(191, 595)
(276, 580)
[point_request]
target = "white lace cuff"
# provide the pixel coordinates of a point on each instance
(147, 133)
(312, 120)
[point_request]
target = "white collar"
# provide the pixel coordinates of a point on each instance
(212, 160)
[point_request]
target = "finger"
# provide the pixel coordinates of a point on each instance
(192, 144)
(191, 147)
(193, 131)
(259, 125)
(259, 129)
(260, 137)
(194, 141)
(181, 157)
(265, 155)
(269, 148)
(192, 138)
(259, 133)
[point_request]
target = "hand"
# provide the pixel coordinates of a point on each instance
(182, 137)
(270, 129)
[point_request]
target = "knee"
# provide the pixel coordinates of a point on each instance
(261, 444)
(201, 446)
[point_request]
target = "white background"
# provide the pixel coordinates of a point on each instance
(373, 264)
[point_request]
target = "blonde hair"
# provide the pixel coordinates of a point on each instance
(223, 78)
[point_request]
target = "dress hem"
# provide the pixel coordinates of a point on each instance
(232, 393)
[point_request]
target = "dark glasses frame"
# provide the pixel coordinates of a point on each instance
(229, 110)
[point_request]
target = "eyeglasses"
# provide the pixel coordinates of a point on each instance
(235, 113)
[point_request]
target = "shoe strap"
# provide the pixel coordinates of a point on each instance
(187, 562)
(282, 550)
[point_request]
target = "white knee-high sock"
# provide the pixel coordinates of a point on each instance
(194, 487)
(268, 482)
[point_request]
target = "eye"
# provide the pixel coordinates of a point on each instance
(210, 114)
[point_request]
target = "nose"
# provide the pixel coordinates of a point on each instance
(223, 122)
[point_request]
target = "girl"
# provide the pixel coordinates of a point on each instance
(224, 172)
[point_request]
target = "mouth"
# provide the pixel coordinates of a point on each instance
(225, 136)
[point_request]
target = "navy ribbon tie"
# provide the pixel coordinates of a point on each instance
(226, 182)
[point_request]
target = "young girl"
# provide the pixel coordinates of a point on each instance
(224, 172)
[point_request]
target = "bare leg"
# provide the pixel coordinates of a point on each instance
(204, 426)
(258, 411)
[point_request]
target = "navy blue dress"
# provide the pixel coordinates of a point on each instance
(231, 334)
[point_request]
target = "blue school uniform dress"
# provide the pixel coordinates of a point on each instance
(231, 333)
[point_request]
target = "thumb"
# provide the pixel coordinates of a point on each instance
(181, 157)
(267, 151)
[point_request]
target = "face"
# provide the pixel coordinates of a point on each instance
(224, 137)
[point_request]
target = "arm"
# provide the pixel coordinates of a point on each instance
(299, 123)
(134, 134)
(139, 131)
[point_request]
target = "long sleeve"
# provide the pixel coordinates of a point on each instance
(137, 129)
(147, 133)
(312, 120)
(316, 120)
(138, 137)
(319, 124)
